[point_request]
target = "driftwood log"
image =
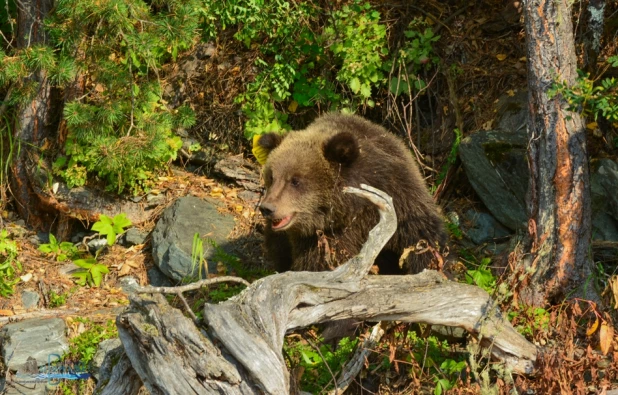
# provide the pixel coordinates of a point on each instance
(240, 349)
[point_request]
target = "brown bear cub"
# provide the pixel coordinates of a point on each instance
(312, 225)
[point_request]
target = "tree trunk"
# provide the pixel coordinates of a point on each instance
(240, 350)
(33, 121)
(559, 190)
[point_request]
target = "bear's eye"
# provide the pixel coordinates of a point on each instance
(295, 181)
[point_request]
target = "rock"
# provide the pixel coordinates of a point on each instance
(155, 200)
(79, 237)
(249, 196)
(95, 245)
(128, 284)
(157, 278)
(68, 269)
(450, 333)
(244, 172)
(133, 237)
(28, 387)
(608, 174)
(172, 238)
(484, 228)
(513, 113)
(40, 339)
(496, 165)
(40, 238)
(603, 187)
(102, 362)
(29, 299)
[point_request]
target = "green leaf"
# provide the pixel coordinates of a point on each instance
(365, 91)
(66, 246)
(85, 263)
(355, 85)
(46, 248)
(135, 89)
(81, 277)
(111, 238)
(97, 276)
(121, 221)
(398, 86)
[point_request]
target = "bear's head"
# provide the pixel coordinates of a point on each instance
(302, 179)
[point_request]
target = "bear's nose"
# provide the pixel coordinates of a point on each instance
(267, 210)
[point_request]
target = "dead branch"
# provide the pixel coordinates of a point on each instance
(240, 350)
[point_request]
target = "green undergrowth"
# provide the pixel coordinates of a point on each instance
(83, 347)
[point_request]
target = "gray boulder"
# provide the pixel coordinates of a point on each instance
(41, 339)
(29, 299)
(604, 188)
(496, 166)
(483, 227)
(172, 238)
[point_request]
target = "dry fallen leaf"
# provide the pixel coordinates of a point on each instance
(126, 267)
(260, 153)
(216, 192)
(293, 106)
(501, 57)
(593, 328)
(614, 287)
(26, 277)
(606, 336)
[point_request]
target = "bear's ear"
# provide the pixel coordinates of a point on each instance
(342, 148)
(262, 145)
(270, 141)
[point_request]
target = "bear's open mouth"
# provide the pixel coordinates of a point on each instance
(282, 222)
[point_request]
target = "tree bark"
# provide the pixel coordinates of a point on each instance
(33, 119)
(559, 205)
(240, 351)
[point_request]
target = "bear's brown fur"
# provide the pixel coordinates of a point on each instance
(312, 225)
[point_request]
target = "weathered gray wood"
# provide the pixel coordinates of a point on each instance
(240, 352)
(124, 379)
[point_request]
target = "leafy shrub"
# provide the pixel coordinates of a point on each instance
(83, 347)
(9, 265)
(91, 272)
(108, 54)
(588, 98)
(111, 227)
(415, 55)
(319, 365)
(59, 251)
(358, 41)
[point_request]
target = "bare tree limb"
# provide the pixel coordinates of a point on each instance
(240, 351)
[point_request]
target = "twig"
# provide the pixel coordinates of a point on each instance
(190, 287)
(38, 314)
(355, 364)
(312, 344)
